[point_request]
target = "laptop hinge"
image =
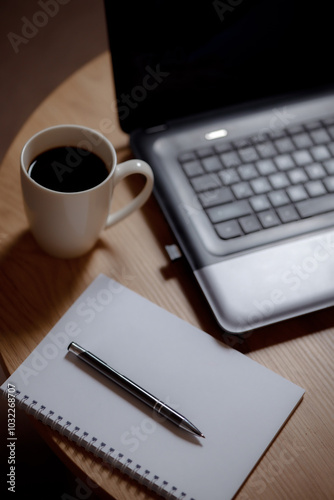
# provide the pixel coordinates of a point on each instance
(156, 129)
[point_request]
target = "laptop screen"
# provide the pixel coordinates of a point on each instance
(175, 58)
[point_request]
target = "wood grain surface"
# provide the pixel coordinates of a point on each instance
(35, 290)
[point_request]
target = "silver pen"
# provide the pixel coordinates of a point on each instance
(134, 389)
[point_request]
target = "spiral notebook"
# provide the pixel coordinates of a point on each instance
(238, 404)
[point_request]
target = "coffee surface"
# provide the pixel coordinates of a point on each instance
(68, 169)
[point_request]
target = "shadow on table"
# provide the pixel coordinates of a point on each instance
(35, 288)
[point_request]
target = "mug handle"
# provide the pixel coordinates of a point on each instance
(123, 170)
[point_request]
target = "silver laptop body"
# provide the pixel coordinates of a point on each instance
(214, 98)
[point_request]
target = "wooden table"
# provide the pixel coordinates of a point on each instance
(35, 290)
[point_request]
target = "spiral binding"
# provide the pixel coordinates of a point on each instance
(109, 455)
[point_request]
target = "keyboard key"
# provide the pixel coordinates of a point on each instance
(315, 171)
(215, 197)
(297, 176)
(249, 224)
(260, 185)
(227, 230)
(320, 136)
(266, 149)
(331, 148)
(278, 198)
(259, 203)
(205, 182)
(230, 159)
(329, 166)
(284, 145)
(229, 211)
(331, 131)
(287, 213)
(211, 164)
(302, 140)
(320, 153)
(268, 219)
(329, 183)
(315, 206)
(242, 190)
(284, 162)
(297, 193)
(193, 168)
(229, 176)
(279, 180)
(266, 167)
(315, 188)
(248, 154)
(302, 157)
(247, 172)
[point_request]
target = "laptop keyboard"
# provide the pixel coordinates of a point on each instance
(266, 180)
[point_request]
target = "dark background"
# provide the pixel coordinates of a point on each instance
(72, 37)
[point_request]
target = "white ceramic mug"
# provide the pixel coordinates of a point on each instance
(68, 225)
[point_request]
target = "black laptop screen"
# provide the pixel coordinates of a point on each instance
(174, 58)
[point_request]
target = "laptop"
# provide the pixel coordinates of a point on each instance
(232, 105)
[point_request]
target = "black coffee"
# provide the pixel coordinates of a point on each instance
(68, 169)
